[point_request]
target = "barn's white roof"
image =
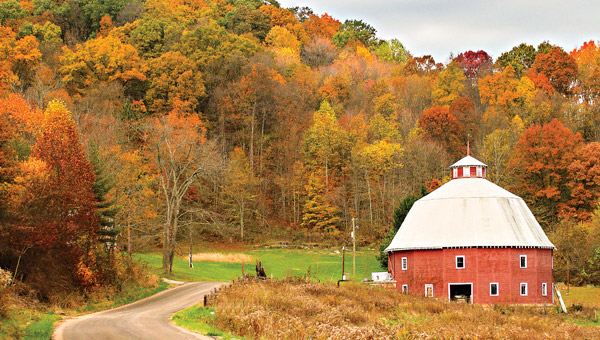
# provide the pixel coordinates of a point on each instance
(469, 212)
(468, 161)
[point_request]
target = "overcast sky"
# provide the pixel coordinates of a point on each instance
(441, 27)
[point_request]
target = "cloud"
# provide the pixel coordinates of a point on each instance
(441, 27)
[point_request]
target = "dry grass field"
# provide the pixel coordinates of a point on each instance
(296, 309)
(222, 257)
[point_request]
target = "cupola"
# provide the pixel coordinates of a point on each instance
(468, 167)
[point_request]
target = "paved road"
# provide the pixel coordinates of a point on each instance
(146, 319)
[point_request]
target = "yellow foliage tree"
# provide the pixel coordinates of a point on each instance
(101, 60)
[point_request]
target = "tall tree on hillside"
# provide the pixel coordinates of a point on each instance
(53, 205)
(399, 216)
(240, 188)
(182, 156)
(440, 125)
(587, 58)
(540, 162)
(326, 143)
(474, 64)
(559, 67)
(353, 31)
(584, 181)
(449, 86)
(106, 208)
(318, 214)
(520, 58)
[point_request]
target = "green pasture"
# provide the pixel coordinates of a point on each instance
(321, 264)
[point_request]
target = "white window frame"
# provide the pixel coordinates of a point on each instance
(405, 289)
(428, 285)
(467, 171)
(404, 263)
(497, 288)
(523, 284)
(464, 264)
(478, 171)
(544, 289)
(521, 257)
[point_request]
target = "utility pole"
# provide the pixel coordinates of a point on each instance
(343, 263)
(353, 248)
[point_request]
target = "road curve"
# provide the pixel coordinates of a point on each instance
(146, 319)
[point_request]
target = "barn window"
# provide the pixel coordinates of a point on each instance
(523, 289)
(404, 263)
(473, 171)
(494, 289)
(459, 172)
(428, 290)
(460, 262)
(544, 289)
(405, 289)
(523, 261)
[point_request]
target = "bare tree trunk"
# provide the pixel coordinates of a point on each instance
(370, 199)
(326, 174)
(251, 153)
(242, 207)
(129, 239)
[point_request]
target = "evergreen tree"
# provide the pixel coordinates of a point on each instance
(106, 208)
(399, 215)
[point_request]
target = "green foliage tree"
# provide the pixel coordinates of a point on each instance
(392, 51)
(11, 10)
(520, 57)
(106, 206)
(355, 30)
(399, 216)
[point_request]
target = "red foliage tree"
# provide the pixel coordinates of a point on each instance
(440, 125)
(53, 207)
(584, 181)
(464, 110)
(474, 64)
(540, 163)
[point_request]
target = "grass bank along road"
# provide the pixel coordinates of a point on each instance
(145, 319)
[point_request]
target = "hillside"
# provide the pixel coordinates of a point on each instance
(128, 125)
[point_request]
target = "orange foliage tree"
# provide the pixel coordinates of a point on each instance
(559, 67)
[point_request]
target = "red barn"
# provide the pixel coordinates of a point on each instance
(471, 239)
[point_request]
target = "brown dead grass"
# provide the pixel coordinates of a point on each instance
(300, 310)
(222, 257)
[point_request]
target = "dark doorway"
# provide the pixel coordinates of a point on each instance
(461, 292)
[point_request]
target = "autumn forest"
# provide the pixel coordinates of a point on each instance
(129, 125)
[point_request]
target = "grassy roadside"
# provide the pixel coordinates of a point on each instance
(127, 296)
(322, 264)
(29, 324)
(197, 319)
